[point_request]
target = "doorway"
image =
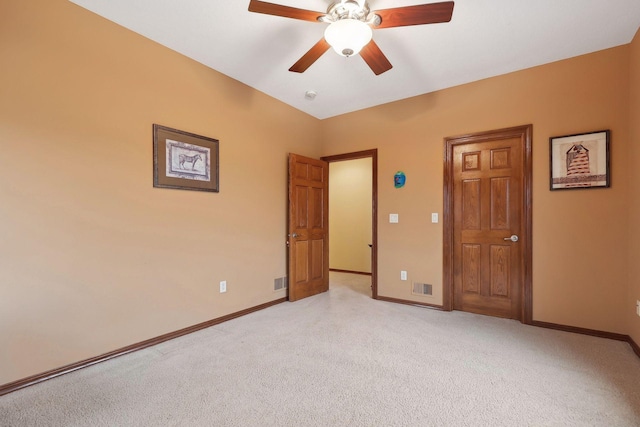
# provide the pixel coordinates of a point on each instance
(371, 245)
(487, 223)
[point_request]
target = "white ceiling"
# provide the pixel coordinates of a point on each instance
(485, 38)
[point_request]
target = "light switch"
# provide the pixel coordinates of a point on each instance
(434, 217)
(393, 218)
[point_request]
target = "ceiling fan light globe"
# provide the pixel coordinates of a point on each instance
(348, 36)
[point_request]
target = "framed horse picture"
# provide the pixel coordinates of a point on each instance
(184, 160)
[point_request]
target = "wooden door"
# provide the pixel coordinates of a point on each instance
(308, 227)
(489, 199)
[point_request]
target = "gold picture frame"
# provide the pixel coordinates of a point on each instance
(185, 161)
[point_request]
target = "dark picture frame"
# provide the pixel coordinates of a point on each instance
(185, 161)
(580, 161)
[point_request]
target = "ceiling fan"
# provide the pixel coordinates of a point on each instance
(350, 27)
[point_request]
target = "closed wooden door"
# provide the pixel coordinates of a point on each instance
(490, 234)
(308, 227)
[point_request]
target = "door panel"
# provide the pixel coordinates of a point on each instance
(301, 249)
(302, 205)
(308, 254)
(471, 204)
(500, 203)
(487, 198)
(319, 216)
(471, 268)
(500, 271)
(317, 259)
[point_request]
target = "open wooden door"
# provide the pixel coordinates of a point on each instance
(308, 228)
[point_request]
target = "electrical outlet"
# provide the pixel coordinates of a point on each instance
(403, 275)
(223, 286)
(638, 307)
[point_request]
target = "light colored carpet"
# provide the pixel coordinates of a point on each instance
(343, 359)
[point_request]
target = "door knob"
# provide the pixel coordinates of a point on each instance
(294, 235)
(513, 238)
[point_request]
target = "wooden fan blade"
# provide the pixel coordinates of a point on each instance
(375, 59)
(310, 57)
(286, 11)
(432, 13)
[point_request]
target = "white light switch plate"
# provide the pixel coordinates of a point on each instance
(403, 275)
(434, 217)
(393, 218)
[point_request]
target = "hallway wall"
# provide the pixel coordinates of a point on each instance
(350, 185)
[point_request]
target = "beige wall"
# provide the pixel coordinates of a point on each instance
(350, 196)
(92, 257)
(634, 192)
(579, 237)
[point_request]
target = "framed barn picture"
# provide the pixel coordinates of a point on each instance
(580, 161)
(184, 160)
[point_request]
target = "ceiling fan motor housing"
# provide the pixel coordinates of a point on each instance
(347, 9)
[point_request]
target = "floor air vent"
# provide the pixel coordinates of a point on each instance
(280, 283)
(422, 289)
